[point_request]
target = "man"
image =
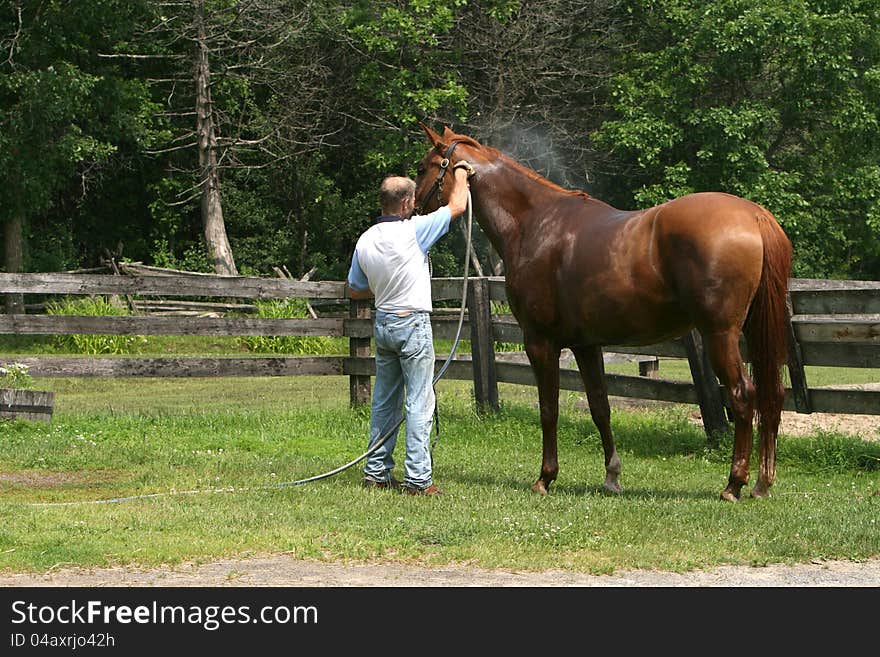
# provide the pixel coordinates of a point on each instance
(390, 262)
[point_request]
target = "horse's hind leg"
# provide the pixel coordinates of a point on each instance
(768, 430)
(544, 358)
(592, 367)
(723, 349)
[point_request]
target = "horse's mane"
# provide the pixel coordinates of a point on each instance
(537, 177)
(514, 164)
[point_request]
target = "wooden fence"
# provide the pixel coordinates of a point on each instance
(834, 323)
(831, 323)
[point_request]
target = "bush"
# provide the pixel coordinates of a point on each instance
(92, 344)
(290, 344)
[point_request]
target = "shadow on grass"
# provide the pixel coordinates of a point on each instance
(647, 434)
(577, 489)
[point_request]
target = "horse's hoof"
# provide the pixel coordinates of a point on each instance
(539, 487)
(760, 491)
(729, 496)
(612, 487)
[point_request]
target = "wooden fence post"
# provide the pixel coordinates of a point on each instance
(359, 384)
(16, 404)
(650, 368)
(708, 390)
(796, 371)
(482, 345)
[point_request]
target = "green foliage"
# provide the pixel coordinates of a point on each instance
(406, 75)
(508, 346)
(44, 144)
(176, 240)
(97, 306)
(503, 308)
(290, 344)
(193, 258)
(66, 113)
(775, 101)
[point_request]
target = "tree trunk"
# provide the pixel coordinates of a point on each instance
(13, 258)
(214, 227)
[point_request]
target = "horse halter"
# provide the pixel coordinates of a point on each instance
(438, 183)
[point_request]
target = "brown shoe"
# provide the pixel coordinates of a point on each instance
(433, 489)
(392, 483)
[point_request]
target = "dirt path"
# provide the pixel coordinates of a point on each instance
(288, 571)
(866, 427)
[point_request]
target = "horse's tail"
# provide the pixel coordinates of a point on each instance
(765, 326)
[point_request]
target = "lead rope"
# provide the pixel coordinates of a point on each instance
(381, 441)
(464, 291)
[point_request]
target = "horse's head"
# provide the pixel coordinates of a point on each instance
(445, 151)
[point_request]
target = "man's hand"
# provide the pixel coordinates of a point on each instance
(464, 164)
(458, 195)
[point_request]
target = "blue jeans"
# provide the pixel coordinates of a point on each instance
(404, 375)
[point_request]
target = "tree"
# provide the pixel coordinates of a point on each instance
(222, 68)
(61, 115)
(535, 73)
(776, 101)
(392, 65)
(219, 250)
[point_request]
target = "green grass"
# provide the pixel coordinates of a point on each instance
(134, 437)
(679, 370)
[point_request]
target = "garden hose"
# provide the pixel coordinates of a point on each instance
(381, 441)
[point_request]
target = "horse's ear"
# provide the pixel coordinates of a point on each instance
(447, 133)
(433, 137)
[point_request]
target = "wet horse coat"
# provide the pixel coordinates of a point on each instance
(582, 274)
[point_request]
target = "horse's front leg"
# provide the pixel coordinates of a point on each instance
(544, 357)
(592, 367)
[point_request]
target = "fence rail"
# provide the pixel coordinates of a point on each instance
(832, 323)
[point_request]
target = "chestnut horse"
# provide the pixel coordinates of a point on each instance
(582, 274)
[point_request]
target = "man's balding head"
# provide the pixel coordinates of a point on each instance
(394, 192)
